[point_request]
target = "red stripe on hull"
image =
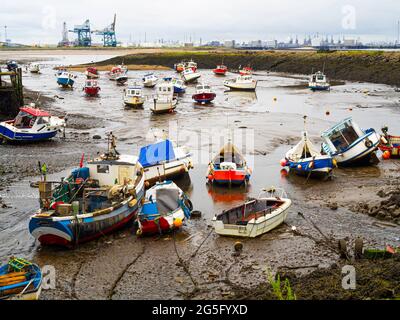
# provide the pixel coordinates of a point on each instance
(151, 227)
(92, 91)
(227, 176)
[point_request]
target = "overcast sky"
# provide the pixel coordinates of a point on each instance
(40, 21)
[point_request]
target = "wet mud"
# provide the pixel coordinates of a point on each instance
(195, 263)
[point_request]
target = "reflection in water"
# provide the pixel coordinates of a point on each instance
(241, 96)
(185, 183)
(228, 195)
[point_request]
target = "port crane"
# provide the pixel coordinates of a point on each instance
(108, 34)
(84, 34)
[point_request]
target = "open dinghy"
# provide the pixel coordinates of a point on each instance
(254, 217)
(164, 209)
(20, 280)
(389, 143)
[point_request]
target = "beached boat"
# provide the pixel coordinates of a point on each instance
(246, 71)
(34, 68)
(245, 83)
(133, 95)
(31, 124)
(164, 160)
(118, 74)
(20, 280)
(179, 67)
(220, 70)
(11, 65)
(165, 208)
(254, 217)
(305, 159)
(203, 94)
(348, 144)
(65, 79)
(150, 80)
(228, 167)
(92, 73)
(318, 82)
(192, 65)
(389, 143)
(91, 88)
(164, 101)
(189, 75)
(93, 201)
(179, 85)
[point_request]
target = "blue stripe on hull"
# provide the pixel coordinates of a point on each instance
(320, 167)
(65, 82)
(20, 136)
(179, 90)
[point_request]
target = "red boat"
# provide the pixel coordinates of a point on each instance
(220, 70)
(246, 71)
(203, 94)
(91, 88)
(92, 73)
(390, 143)
(228, 167)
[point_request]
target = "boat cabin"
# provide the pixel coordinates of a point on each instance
(245, 78)
(91, 83)
(318, 77)
(133, 92)
(341, 136)
(165, 89)
(203, 88)
(28, 117)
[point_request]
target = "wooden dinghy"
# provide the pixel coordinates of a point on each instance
(254, 217)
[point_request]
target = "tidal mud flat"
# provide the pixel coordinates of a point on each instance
(196, 263)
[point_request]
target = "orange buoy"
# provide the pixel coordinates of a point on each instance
(299, 167)
(386, 155)
(283, 162)
(177, 223)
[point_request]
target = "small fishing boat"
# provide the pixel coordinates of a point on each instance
(203, 94)
(246, 71)
(93, 201)
(164, 160)
(305, 159)
(189, 75)
(11, 65)
(20, 280)
(165, 101)
(150, 80)
(91, 88)
(254, 217)
(179, 67)
(34, 68)
(118, 74)
(92, 73)
(65, 79)
(133, 95)
(228, 167)
(244, 83)
(318, 82)
(220, 70)
(348, 144)
(389, 143)
(179, 85)
(165, 208)
(31, 124)
(191, 65)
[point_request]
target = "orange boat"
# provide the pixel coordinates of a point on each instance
(390, 143)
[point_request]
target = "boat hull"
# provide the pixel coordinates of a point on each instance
(11, 133)
(229, 177)
(314, 168)
(220, 72)
(319, 87)
(149, 84)
(92, 91)
(134, 102)
(190, 78)
(159, 107)
(254, 227)
(161, 224)
(241, 87)
(168, 170)
(65, 82)
(70, 231)
(204, 97)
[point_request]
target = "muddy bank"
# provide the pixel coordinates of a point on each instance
(374, 66)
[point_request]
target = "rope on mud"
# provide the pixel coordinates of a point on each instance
(197, 250)
(183, 263)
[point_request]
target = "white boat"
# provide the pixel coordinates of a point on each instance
(179, 85)
(119, 74)
(165, 208)
(65, 79)
(318, 82)
(31, 124)
(34, 68)
(348, 144)
(245, 82)
(189, 75)
(255, 217)
(150, 80)
(165, 101)
(164, 160)
(133, 95)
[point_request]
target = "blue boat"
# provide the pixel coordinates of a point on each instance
(349, 145)
(93, 201)
(179, 85)
(65, 79)
(305, 159)
(12, 65)
(20, 280)
(31, 124)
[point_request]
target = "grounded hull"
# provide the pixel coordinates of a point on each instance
(163, 107)
(190, 78)
(313, 167)
(167, 171)
(134, 102)
(68, 231)
(65, 82)
(241, 87)
(13, 134)
(229, 177)
(162, 225)
(92, 91)
(204, 97)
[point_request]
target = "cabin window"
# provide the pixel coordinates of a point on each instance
(101, 168)
(344, 137)
(42, 121)
(320, 78)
